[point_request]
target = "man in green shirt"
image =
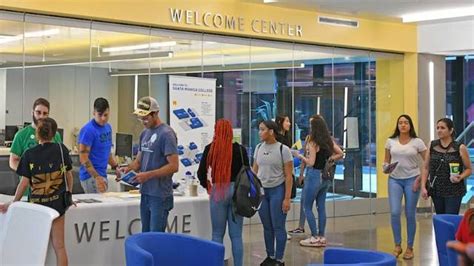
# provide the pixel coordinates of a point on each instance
(26, 138)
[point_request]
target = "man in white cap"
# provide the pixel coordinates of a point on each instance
(156, 162)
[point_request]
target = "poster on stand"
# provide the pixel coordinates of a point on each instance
(192, 116)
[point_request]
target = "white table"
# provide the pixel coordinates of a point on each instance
(4, 151)
(96, 232)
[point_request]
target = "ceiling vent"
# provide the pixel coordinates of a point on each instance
(338, 22)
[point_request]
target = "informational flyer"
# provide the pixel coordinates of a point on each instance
(192, 116)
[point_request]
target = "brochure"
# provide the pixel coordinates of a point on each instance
(128, 179)
(390, 167)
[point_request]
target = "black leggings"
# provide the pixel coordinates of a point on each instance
(447, 205)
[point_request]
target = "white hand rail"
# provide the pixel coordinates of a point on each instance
(464, 132)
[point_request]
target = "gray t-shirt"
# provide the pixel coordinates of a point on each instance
(155, 145)
(270, 163)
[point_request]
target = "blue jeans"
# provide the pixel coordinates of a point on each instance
(273, 221)
(397, 188)
(222, 214)
(154, 212)
(302, 214)
(315, 189)
(447, 205)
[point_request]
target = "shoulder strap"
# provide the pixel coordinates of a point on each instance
(281, 154)
(256, 150)
(63, 165)
(241, 156)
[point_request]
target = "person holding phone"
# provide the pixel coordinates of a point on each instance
(403, 151)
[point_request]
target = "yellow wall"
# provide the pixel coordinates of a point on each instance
(371, 34)
(411, 86)
(389, 105)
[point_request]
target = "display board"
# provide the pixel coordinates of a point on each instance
(192, 116)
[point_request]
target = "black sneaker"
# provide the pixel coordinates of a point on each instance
(296, 231)
(279, 263)
(268, 262)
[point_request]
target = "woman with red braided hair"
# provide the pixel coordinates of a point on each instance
(220, 164)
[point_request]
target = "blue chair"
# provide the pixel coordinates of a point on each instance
(346, 256)
(445, 227)
(151, 249)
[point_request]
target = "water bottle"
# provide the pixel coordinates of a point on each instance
(189, 177)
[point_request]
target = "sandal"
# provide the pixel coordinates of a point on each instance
(322, 241)
(397, 251)
(408, 255)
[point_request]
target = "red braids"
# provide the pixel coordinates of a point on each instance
(220, 157)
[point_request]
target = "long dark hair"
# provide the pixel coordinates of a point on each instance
(320, 134)
(450, 124)
(396, 132)
(280, 119)
(285, 137)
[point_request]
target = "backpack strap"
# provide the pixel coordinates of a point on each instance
(281, 155)
(257, 148)
(241, 156)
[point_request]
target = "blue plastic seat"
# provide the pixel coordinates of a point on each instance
(147, 249)
(346, 256)
(445, 227)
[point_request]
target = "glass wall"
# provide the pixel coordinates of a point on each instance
(72, 62)
(460, 104)
(460, 95)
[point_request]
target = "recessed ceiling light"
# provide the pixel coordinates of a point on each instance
(31, 34)
(438, 14)
(138, 47)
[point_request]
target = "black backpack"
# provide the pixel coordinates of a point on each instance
(248, 191)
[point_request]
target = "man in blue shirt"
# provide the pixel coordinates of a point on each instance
(95, 145)
(155, 164)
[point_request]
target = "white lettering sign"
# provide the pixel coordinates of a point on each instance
(226, 22)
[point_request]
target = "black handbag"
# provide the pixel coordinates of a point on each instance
(293, 188)
(67, 195)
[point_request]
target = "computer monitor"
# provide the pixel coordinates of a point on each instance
(10, 132)
(61, 133)
(123, 145)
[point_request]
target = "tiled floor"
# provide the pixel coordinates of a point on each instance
(363, 232)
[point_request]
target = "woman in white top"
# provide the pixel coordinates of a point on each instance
(403, 151)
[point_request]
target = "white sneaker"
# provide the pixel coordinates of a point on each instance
(288, 236)
(310, 242)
